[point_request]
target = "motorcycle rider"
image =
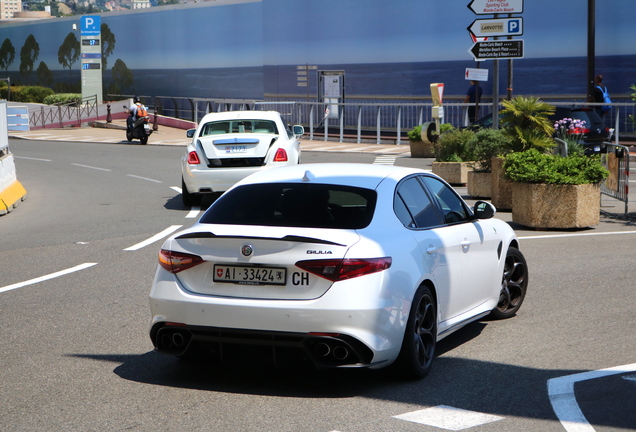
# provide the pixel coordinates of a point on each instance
(132, 113)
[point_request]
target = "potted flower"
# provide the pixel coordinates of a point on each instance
(550, 191)
(454, 155)
(524, 121)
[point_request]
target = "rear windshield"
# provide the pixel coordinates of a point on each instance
(238, 126)
(294, 205)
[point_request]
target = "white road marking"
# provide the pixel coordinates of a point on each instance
(194, 212)
(449, 418)
(563, 400)
(30, 158)
(47, 277)
(176, 189)
(577, 235)
(91, 167)
(144, 178)
(154, 238)
(385, 160)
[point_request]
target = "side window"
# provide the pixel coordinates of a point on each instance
(413, 206)
(452, 206)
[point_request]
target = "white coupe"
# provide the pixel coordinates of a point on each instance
(347, 265)
(228, 146)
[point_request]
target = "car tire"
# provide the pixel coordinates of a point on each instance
(514, 284)
(420, 337)
(189, 199)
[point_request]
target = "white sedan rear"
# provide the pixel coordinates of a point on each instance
(228, 146)
(347, 265)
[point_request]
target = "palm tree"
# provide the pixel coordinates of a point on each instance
(525, 121)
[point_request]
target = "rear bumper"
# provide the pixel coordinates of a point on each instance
(205, 180)
(333, 331)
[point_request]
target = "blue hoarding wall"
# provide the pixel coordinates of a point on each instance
(251, 48)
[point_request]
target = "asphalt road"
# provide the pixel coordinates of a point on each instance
(76, 354)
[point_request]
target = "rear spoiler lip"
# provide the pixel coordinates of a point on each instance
(292, 238)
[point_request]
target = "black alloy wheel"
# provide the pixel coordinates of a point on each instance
(420, 337)
(514, 284)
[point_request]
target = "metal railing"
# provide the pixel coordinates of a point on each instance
(616, 160)
(67, 114)
(382, 120)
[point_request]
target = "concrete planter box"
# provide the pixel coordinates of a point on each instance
(501, 196)
(455, 173)
(479, 184)
(556, 206)
(421, 149)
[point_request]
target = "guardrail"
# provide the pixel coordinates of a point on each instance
(64, 114)
(363, 119)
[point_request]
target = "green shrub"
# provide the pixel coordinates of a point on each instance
(415, 134)
(489, 143)
(456, 145)
(34, 94)
(532, 166)
(63, 98)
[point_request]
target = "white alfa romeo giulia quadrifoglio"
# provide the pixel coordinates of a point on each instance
(347, 265)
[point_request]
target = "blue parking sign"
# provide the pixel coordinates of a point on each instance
(90, 25)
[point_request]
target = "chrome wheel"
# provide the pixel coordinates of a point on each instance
(514, 284)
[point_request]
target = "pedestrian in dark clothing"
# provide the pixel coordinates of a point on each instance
(473, 96)
(600, 95)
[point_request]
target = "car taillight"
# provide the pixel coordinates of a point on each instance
(280, 156)
(175, 262)
(336, 270)
(193, 158)
(578, 131)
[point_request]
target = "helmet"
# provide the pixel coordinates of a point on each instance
(136, 99)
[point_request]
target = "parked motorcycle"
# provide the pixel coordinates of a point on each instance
(141, 129)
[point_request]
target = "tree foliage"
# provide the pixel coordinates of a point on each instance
(44, 75)
(69, 51)
(122, 77)
(7, 54)
(28, 55)
(108, 44)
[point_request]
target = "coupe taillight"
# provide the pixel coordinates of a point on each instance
(175, 262)
(193, 158)
(280, 156)
(337, 270)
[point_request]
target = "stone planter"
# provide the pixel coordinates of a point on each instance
(455, 173)
(556, 206)
(479, 184)
(501, 195)
(420, 149)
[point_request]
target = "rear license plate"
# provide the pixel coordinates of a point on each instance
(236, 149)
(250, 275)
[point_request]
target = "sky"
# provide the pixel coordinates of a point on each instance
(288, 32)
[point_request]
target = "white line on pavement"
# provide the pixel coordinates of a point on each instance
(576, 235)
(563, 400)
(46, 277)
(91, 167)
(194, 212)
(154, 238)
(176, 189)
(144, 178)
(30, 158)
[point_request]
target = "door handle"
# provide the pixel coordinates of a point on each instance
(431, 250)
(465, 245)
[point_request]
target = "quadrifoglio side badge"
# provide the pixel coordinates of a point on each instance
(247, 250)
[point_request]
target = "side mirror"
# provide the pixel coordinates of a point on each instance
(298, 131)
(484, 210)
(190, 133)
